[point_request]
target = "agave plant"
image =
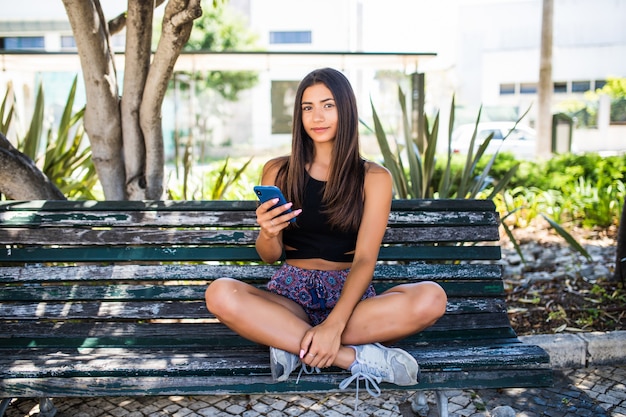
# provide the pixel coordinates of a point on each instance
(213, 184)
(66, 157)
(421, 159)
(6, 115)
(225, 179)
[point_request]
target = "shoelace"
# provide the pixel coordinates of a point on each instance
(363, 374)
(304, 368)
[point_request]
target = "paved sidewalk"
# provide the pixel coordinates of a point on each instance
(589, 392)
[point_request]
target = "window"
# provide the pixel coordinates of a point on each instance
(581, 86)
(290, 37)
(482, 135)
(68, 42)
(24, 42)
(283, 95)
(560, 87)
(528, 88)
(506, 89)
(600, 83)
(119, 41)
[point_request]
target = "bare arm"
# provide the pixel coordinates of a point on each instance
(378, 195)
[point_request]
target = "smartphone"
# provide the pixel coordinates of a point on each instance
(268, 192)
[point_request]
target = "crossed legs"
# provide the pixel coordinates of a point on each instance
(277, 321)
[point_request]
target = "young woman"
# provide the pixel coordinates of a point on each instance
(320, 308)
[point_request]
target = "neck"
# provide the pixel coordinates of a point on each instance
(320, 166)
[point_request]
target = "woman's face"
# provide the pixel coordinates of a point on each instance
(319, 113)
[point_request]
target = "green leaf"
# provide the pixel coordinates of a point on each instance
(32, 141)
(430, 154)
(446, 182)
(412, 150)
(504, 181)
(568, 237)
(6, 117)
(391, 162)
(509, 233)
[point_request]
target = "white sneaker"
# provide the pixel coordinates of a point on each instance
(376, 363)
(282, 363)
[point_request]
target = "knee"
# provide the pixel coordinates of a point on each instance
(220, 296)
(432, 301)
(439, 298)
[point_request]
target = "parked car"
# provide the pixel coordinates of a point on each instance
(522, 141)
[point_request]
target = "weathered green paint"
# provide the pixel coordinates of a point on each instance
(92, 294)
(210, 253)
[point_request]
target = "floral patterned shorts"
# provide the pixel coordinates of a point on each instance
(315, 291)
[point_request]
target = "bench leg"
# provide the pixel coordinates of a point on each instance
(442, 403)
(46, 407)
(4, 405)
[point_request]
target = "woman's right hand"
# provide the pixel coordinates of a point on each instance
(271, 220)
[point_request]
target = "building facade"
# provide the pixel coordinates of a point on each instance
(487, 53)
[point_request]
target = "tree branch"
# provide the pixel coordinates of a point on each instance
(118, 23)
(138, 44)
(102, 113)
(189, 14)
(171, 43)
(20, 179)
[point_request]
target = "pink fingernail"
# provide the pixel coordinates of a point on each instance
(302, 352)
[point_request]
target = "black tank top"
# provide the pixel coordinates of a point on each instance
(313, 236)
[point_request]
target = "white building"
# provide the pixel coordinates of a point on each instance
(487, 51)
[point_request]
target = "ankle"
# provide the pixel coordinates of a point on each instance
(346, 357)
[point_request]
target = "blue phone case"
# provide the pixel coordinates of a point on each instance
(268, 192)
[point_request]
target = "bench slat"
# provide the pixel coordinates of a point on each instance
(203, 272)
(136, 236)
(425, 205)
(77, 334)
(207, 253)
(156, 309)
(192, 219)
(177, 292)
(241, 361)
(212, 385)
(119, 218)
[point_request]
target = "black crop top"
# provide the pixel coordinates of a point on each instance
(313, 237)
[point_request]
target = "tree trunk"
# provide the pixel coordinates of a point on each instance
(177, 24)
(620, 259)
(138, 51)
(102, 112)
(545, 90)
(126, 135)
(21, 179)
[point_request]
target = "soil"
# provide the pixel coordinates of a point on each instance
(565, 302)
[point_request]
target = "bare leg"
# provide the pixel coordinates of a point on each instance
(398, 312)
(279, 322)
(263, 317)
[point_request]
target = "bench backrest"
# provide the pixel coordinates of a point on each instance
(140, 262)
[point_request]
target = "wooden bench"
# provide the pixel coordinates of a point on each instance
(107, 299)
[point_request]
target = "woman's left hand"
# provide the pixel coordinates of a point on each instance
(320, 345)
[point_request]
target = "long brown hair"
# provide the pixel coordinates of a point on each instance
(343, 194)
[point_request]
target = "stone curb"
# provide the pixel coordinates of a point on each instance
(581, 350)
